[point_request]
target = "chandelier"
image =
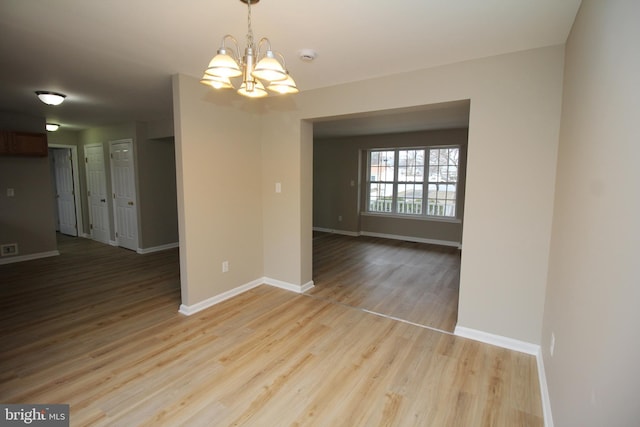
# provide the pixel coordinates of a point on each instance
(261, 68)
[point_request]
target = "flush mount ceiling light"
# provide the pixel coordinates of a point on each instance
(52, 127)
(50, 98)
(260, 68)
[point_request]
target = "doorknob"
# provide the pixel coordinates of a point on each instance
(103, 200)
(130, 203)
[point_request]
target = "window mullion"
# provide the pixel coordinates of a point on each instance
(396, 163)
(425, 181)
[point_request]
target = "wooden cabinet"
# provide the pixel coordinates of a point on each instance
(4, 141)
(23, 144)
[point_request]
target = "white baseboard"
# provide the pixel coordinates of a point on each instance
(188, 310)
(497, 340)
(544, 391)
(390, 236)
(158, 248)
(113, 243)
(522, 347)
(29, 257)
(333, 231)
(288, 286)
(412, 239)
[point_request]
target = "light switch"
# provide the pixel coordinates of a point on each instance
(278, 187)
(10, 192)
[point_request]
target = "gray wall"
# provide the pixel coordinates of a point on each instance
(593, 288)
(337, 164)
(157, 192)
(27, 218)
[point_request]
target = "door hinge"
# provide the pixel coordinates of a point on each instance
(112, 155)
(86, 160)
(114, 195)
(116, 234)
(91, 226)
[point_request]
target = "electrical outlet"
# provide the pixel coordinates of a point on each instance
(552, 346)
(9, 249)
(225, 266)
(339, 218)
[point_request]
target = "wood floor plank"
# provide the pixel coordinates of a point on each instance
(106, 337)
(411, 281)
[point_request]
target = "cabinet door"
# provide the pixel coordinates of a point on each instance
(29, 144)
(4, 142)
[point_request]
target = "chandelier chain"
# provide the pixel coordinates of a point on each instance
(250, 30)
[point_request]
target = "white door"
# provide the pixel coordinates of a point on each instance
(65, 194)
(124, 194)
(97, 193)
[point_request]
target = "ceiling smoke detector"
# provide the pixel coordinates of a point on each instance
(307, 55)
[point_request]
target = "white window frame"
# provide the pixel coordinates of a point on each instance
(424, 214)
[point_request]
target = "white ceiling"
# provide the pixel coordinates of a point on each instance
(114, 58)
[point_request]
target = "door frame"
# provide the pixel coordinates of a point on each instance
(76, 186)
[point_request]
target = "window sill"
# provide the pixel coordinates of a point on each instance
(413, 217)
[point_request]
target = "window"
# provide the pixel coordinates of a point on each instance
(397, 181)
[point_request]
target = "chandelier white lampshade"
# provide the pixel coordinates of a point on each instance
(50, 98)
(216, 82)
(253, 89)
(256, 67)
(284, 86)
(52, 127)
(268, 68)
(223, 64)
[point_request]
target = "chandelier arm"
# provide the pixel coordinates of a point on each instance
(259, 53)
(260, 43)
(284, 63)
(235, 44)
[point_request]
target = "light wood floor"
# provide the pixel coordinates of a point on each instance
(415, 282)
(98, 328)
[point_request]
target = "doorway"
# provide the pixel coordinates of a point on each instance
(397, 263)
(66, 186)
